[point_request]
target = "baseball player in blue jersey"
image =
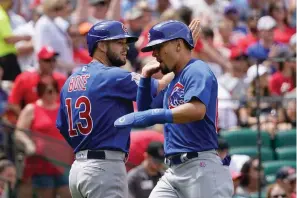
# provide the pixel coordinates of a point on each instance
(91, 100)
(188, 108)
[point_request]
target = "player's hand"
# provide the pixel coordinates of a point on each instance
(150, 68)
(195, 28)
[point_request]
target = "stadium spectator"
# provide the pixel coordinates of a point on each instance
(249, 182)
(25, 49)
(51, 30)
(8, 58)
(282, 32)
(24, 88)
(235, 80)
(143, 178)
(252, 35)
(7, 173)
(46, 177)
(223, 148)
(276, 191)
(247, 114)
(260, 50)
(283, 80)
(286, 179)
(139, 142)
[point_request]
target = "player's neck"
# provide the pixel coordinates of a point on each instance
(183, 61)
(101, 59)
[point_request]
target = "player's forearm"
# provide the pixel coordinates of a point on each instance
(188, 112)
(144, 97)
(166, 79)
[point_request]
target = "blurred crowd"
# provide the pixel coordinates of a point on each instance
(250, 45)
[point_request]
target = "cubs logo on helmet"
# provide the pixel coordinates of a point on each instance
(176, 97)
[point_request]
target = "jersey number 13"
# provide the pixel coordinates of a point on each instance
(84, 114)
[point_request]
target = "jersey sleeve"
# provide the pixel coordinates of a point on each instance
(158, 100)
(124, 84)
(62, 121)
(198, 83)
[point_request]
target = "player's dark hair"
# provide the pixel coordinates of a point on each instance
(41, 87)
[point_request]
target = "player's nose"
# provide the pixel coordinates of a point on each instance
(155, 53)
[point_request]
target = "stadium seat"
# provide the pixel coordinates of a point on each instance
(245, 137)
(271, 167)
(286, 153)
(267, 153)
(285, 138)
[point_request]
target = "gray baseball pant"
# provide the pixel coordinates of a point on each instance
(92, 178)
(201, 177)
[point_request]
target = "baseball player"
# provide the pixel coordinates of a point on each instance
(188, 108)
(91, 100)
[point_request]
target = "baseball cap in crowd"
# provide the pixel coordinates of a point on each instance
(230, 9)
(252, 72)
(46, 52)
(286, 172)
(156, 151)
(236, 175)
(266, 23)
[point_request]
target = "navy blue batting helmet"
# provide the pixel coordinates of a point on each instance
(107, 30)
(167, 31)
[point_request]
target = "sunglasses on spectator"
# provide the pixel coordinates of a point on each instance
(50, 91)
(49, 60)
(279, 196)
(102, 3)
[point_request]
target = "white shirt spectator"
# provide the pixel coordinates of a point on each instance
(15, 19)
(209, 14)
(226, 115)
(26, 62)
(48, 33)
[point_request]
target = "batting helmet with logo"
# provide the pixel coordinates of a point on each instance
(166, 31)
(107, 30)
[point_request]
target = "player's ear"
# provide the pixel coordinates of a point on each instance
(178, 46)
(102, 46)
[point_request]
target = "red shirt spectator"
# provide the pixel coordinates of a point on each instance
(283, 35)
(24, 88)
(279, 83)
(245, 42)
(139, 143)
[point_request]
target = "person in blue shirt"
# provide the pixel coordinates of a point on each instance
(188, 108)
(91, 100)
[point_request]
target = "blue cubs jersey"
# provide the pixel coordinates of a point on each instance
(91, 99)
(195, 81)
